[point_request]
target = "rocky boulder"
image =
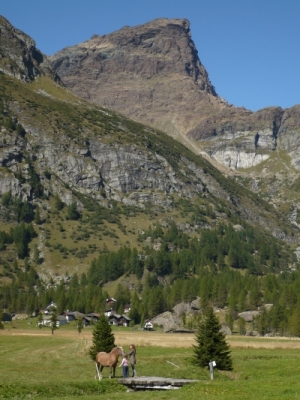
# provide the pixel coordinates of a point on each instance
(248, 316)
(226, 330)
(167, 320)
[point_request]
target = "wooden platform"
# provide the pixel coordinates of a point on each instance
(154, 382)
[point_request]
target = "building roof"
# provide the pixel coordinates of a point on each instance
(110, 300)
(92, 315)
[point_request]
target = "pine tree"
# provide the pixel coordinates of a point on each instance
(211, 343)
(58, 203)
(37, 216)
(40, 320)
(53, 322)
(80, 325)
(134, 309)
(103, 338)
(1, 320)
(36, 255)
(229, 319)
(241, 326)
(72, 212)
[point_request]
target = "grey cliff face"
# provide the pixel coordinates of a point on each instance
(135, 174)
(127, 173)
(19, 56)
(102, 155)
(152, 73)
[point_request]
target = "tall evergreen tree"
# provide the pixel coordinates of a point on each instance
(211, 343)
(40, 320)
(241, 326)
(1, 320)
(72, 211)
(53, 322)
(103, 338)
(58, 203)
(80, 325)
(134, 309)
(37, 216)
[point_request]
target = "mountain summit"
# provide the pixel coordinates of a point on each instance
(150, 72)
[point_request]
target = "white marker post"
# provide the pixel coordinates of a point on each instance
(212, 364)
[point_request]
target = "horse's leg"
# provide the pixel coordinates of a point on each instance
(101, 368)
(114, 371)
(97, 372)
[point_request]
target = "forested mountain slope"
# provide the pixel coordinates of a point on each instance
(58, 150)
(89, 196)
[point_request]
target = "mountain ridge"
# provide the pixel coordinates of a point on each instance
(152, 73)
(92, 200)
(87, 173)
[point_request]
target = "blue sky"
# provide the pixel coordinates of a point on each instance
(250, 48)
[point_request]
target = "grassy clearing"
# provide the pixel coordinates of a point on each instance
(45, 366)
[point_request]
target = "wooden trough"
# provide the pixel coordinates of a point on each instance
(154, 383)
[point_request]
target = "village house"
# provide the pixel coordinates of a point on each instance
(94, 316)
(119, 320)
(61, 320)
(70, 316)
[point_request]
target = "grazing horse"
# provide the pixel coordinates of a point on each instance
(108, 360)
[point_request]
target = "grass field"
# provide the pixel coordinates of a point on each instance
(37, 365)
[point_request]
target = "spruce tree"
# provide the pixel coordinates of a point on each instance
(53, 322)
(40, 320)
(80, 325)
(37, 216)
(1, 320)
(103, 338)
(211, 343)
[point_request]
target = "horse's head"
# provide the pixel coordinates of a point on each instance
(120, 351)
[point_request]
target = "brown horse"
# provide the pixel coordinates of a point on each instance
(108, 360)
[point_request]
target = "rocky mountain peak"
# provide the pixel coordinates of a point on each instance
(152, 73)
(147, 72)
(19, 56)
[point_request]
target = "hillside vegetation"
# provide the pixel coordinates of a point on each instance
(93, 204)
(90, 197)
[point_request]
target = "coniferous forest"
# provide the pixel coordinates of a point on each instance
(231, 266)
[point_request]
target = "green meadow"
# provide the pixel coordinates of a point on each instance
(56, 367)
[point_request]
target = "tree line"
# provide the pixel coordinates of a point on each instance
(229, 266)
(152, 296)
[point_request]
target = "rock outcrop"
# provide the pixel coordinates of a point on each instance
(19, 56)
(167, 321)
(152, 73)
